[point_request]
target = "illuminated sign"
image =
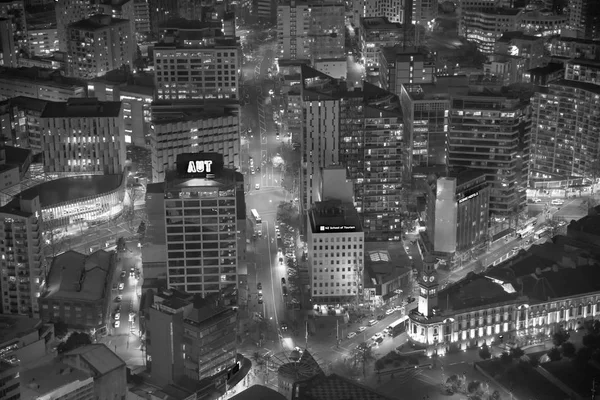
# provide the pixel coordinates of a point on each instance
(337, 228)
(468, 197)
(199, 165)
(195, 167)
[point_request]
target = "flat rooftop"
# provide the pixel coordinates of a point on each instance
(73, 188)
(77, 276)
(82, 108)
(165, 112)
(98, 358)
(97, 22)
(37, 382)
(384, 260)
(466, 175)
(334, 216)
(48, 77)
(335, 387)
(258, 392)
(15, 326)
(589, 224)
(379, 23)
(588, 87)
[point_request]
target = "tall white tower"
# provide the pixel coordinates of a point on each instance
(428, 287)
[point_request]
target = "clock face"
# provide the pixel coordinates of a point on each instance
(425, 278)
(431, 278)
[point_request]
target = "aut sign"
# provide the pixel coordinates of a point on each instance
(199, 167)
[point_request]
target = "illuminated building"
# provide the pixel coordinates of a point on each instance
(568, 48)
(37, 83)
(457, 211)
(197, 62)
(424, 12)
(98, 145)
(198, 335)
(97, 45)
(399, 65)
(395, 11)
(492, 133)
(21, 255)
(135, 92)
(335, 253)
(68, 12)
(24, 339)
(311, 31)
(14, 31)
(541, 22)
(78, 290)
(584, 19)
(179, 128)
(379, 32)
(203, 204)
(141, 12)
(42, 41)
(23, 115)
(522, 300)
(264, 9)
(566, 117)
(485, 27)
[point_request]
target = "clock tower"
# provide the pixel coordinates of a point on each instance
(428, 287)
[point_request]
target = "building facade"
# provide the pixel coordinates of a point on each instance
(14, 32)
(23, 117)
(202, 208)
(179, 128)
(39, 84)
(42, 41)
(68, 12)
(335, 253)
(97, 45)
(398, 66)
(100, 147)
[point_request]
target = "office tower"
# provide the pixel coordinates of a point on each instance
(584, 19)
(198, 335)
(492, 133)
(9, 54)
(42, 41)
(121, 9)
(97, 45)
(83, 135)
(23, 115)
(161, 11)
(377, 33)
(264, 9)
(21, 261)
(141, 12)
(311, 31)
(197, 62)
(395, 11)
(68, 12)
(203, 202)
(399, 65)
(14, 12)
(179, 128)
(457, 214)
(335, 253)
(38, 83)
(566, 121)
(424, 12)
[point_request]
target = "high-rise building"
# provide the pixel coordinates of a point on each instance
(396, 11)
(197, 62)
(203, 202)
(566, 120)
(424, 12)
(311, 31)
(492, 133)
(399, 65)
(83, 135)
(264, 9)
(14, 41)
(37, 83)
(141, 12)
(335, 253)
(42, 41)
(584, 19)
(567, 47)
(121, 9)
(457, 214)
(24, 115)
(160, 12)
(197, 334)
(68, 12)
(97, 45)
(20, 223)
(179, 128)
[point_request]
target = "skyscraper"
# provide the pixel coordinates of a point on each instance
(67, 12)
(13, 34)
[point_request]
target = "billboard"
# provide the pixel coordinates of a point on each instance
(199, 165)
(336, 228)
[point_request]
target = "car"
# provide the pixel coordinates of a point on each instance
(398, 308)
(278, 235)
(114, 286)
(252, 171)
(280, 260)
(537, 200)
(284, 291)
(259, 286)
(379, 340)
(516, 249)
(121, 286)
(117, 324)
(117, 316)
(380, 317)
(119, 298)
(131, 274)
(390, 311)
(362, 329)
(557, 202)
(277, 137)
(260, 298)
(351, 335)
(257, 186)
(284, 326)
(123, 274)
(410, 299)
(283, 281)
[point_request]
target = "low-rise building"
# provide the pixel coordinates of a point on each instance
(78, 290)
(24, 340)
(56, 380)
(388, 274)
(38, 83)
(10, 386)
(22, 117)
(325, 387)
(399, 65)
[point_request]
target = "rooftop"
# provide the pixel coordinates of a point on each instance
(16, 155)
(304, 368)
(48, 77)
(588, 87)
(28, 103)
(380, 103)
(82, 108)
(38, 381)
(379, 23)
(258, 392)
(547, 69)
(400, 53)
(334, 387)
(13, 327)
(589, 224)
(511, 35)
(577, 40)
(96, 22)
(334, 216)
(319, 86)
(77, 276)
(585, 61)
(99, 358)
(72, 188)
(383, 262)
(465, 176)
(164, 112)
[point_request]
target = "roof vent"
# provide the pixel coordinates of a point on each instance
(554, 268)
(538, 271)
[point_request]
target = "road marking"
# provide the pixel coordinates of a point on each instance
(271, 265)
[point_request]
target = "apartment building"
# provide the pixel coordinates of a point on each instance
(584, 19)
(197, 63)
(203, 203)
(565, 125)
(484, 27)
(395, 11)
(97, 45)
(424, 12)
(492, 133)
(141, 12)
(22, 264)
(42, 41)
(22, 116)
(99, 142)
(399, 65)
(68, 12)
(38, 83)
(567, 47)
(335, 253)
(311, 31)
(198, 334)
(14, 31)
(179, 128)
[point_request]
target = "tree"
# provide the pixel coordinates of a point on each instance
(568, 349)
(484, 352)
(560, 337)
(516, 352)
(129, 213)
(60, 329)
(505, 357)
(75, 340)
(554, 354)
(291, 168)
(288, 213)
(475, 387)
(495, 395)
(591, 340)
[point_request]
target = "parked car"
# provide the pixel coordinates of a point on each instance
(121, 286)
(259, 286)
(284, 326)
(557, 202)
(283, 281)
(390, 311)
(117, 316)
(351, 335)
(119, 298)
(260, 298)
(363, 328)
(117, 324)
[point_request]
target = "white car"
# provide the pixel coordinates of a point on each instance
(117, 316)
(557, 202)
(351, 335)
(117, 324)
(377, 336)
(257, 186)
(537, 200)
(390, 311)
(121, 286)
(362, 329)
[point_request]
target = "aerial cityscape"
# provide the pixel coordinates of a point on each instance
(299, 199)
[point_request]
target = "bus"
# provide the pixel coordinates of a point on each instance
(397, 327)
(255, 216)
(542, 233)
